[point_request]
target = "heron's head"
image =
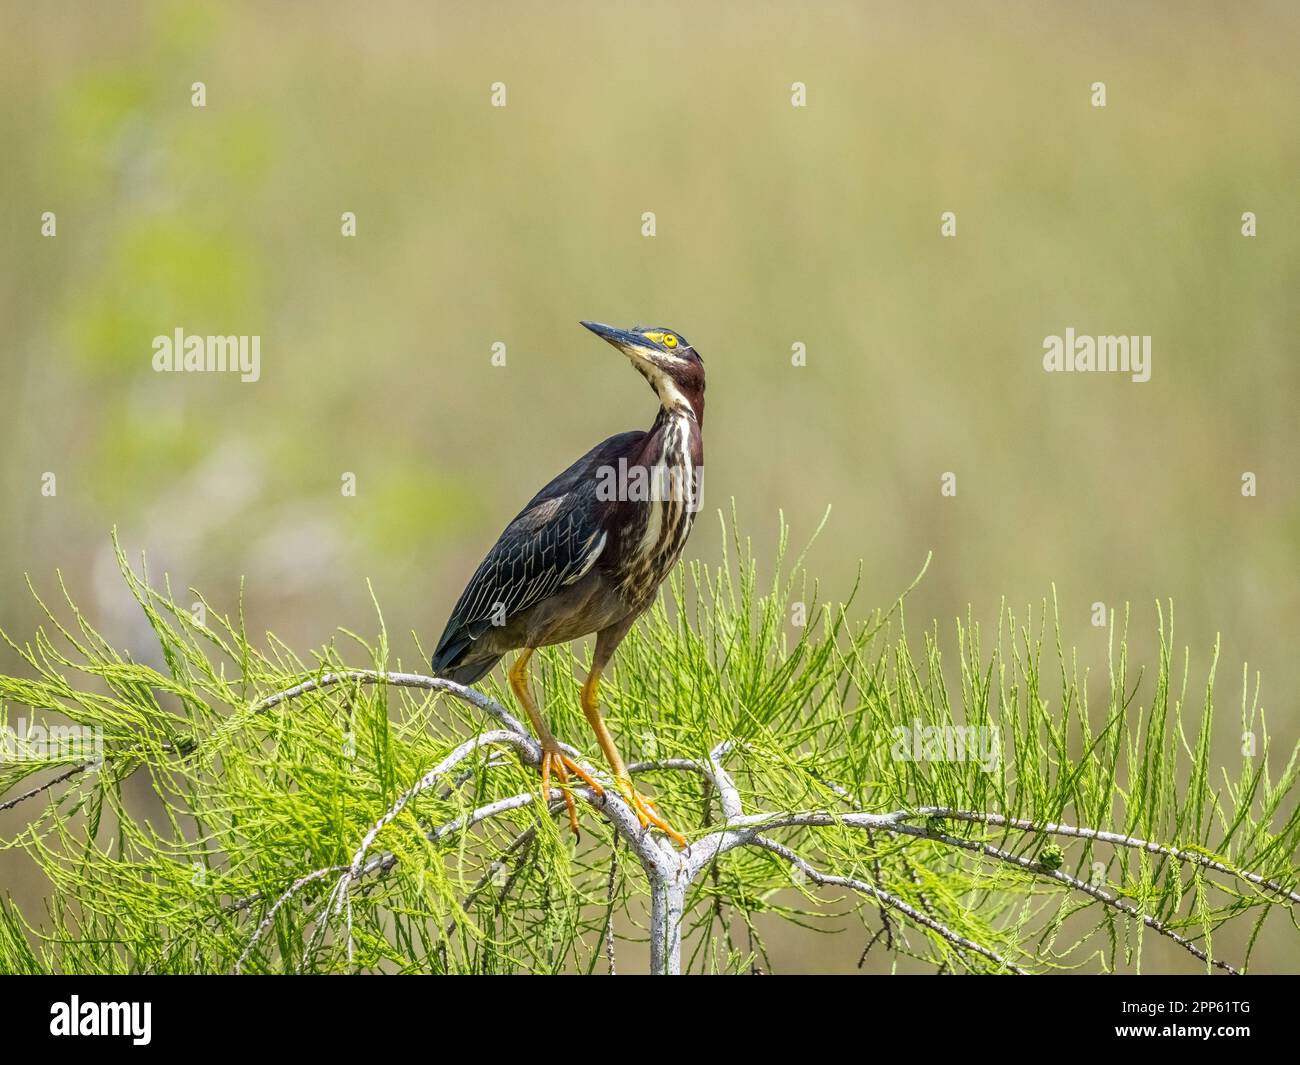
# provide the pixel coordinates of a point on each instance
(665, 359)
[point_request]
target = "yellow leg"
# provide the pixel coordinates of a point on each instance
(645, 809)
(552, 756)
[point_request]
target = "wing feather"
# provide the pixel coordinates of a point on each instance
(552, 542)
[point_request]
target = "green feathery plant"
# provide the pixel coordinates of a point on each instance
(378, 821)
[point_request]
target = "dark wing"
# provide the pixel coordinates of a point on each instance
(551, 543)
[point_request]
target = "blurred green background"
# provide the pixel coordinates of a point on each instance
(775, 225)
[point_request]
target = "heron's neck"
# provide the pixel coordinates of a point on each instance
(674, 403)
(670, 419)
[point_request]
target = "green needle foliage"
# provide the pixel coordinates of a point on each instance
(212, 834)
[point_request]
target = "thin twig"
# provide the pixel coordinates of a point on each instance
(9, 804)
(861, 886)
(1036, 869)
(609, 906)
(1114, 838)
(522, 840)
(266, 921)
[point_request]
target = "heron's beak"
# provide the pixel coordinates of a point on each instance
(633, 345)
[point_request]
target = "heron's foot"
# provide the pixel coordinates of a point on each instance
(647, 813)
(554, 758)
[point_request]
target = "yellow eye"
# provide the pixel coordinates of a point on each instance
(670, 341)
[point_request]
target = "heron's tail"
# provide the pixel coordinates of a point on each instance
(464, 672)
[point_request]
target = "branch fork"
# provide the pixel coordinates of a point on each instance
(671, 872)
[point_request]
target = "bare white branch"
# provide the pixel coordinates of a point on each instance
(728, 796)
(428, 780)
(712, 771)
(670, 872)
(397, 680)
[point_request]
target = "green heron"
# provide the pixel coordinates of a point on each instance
(587, 555)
